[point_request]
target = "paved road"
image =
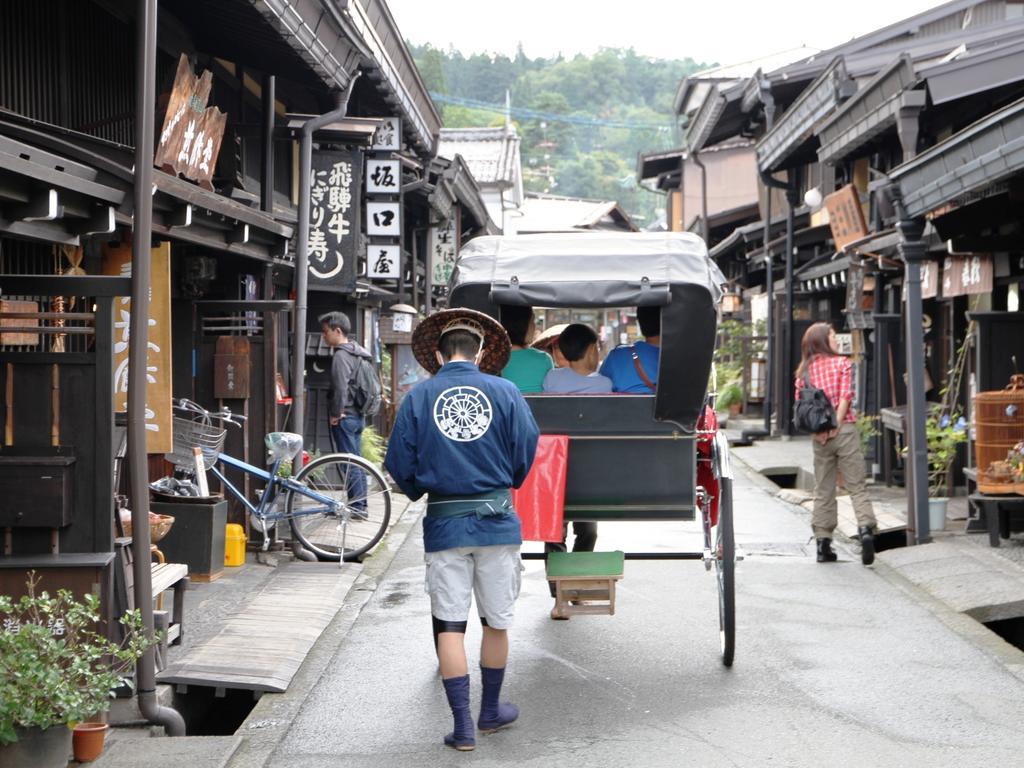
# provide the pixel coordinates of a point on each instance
(835, 666)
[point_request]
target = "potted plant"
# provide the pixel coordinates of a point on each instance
(944, 432)
(730, 398)
(56, 670)
(867, 430)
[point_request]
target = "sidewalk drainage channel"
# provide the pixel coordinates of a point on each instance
(214, 711)
(1011, 630)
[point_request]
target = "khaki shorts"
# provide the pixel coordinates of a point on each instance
(492, 574)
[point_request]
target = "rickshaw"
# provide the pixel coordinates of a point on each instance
(657, 457)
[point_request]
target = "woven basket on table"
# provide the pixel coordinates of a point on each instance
(157, 530)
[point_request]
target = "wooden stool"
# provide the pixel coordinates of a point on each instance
(585, 581)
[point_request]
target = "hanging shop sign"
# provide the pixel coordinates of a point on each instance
(334, 219)
(384, 219)
(929, 279)
(388, 137)
(117, 260)
(845, 216)
(192, 132)
(383, 262)
(443, 246)
(963, 275)
(383, 177)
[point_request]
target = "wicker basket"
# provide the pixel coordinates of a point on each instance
(157, 530)
(998, 422)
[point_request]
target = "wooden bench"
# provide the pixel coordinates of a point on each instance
(585, 581)
(164, 576)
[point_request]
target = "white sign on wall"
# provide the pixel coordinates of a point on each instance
(384, 219)
(383, 177)
(389, 136)
(383, 261)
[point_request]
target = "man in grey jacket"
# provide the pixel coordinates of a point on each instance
(346, 422)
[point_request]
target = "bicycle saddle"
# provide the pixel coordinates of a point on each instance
(283, 445)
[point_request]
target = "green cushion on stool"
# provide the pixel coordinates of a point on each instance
(583, 565)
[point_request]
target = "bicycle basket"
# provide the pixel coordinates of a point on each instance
(202, 434)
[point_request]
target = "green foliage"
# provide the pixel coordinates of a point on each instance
(867, 428)
(729, 395)
(734, 351)
(608, 87)
(372, 446)
(944, 433)
(54, 667)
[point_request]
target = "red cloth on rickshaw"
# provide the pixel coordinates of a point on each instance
(540, 499)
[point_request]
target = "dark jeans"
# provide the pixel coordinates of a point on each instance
(346, 437)
(585, 539)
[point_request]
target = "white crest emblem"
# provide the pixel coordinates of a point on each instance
(462, 414)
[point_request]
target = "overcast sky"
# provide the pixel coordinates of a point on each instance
(723, 31)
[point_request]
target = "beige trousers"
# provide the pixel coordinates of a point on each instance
(841, 453)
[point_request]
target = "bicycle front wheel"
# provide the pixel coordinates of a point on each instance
(361, 493)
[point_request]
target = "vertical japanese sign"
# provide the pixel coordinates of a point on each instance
(192, 132)
(384, 203)
(118, 261)
(443, 246)
(845, 216)
(334, 219)
(388, 138)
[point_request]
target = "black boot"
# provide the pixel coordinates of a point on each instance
(867, 544)
(825, 553)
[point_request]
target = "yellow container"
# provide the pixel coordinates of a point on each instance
(234, 545)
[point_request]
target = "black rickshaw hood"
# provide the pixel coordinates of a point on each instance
(667, 269)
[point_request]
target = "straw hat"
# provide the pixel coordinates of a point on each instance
(548, 337)
(496, 345)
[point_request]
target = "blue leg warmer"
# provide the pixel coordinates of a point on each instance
(494, 714)
(457, 691)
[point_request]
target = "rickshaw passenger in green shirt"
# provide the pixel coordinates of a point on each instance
(526, 367)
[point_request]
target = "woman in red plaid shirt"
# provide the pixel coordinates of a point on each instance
(836, 449)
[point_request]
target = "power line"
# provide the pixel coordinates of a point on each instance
(534, 114)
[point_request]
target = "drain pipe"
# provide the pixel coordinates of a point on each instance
(142, 226)
(705, 225)
(302, 253)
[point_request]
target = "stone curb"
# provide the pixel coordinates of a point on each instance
(272, 717)
(974, 632)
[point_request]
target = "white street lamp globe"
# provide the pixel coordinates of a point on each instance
(812, 197)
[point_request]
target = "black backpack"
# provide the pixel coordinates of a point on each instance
(813, 412)
(365, 384)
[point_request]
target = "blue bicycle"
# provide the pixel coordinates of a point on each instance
(338, 505)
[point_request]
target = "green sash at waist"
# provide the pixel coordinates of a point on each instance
(490, 504)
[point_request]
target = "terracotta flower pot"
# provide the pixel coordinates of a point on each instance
(88, 739)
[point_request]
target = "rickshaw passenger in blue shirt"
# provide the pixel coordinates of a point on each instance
(464, 438)
(621, 367)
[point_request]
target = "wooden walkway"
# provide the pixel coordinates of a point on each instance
(261, 647)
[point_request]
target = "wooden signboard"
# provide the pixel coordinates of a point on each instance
(117, 260)
(966, 275)
(190, 140)
(845, 216)
(231, 368)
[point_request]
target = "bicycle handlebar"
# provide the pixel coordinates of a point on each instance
(225, 415)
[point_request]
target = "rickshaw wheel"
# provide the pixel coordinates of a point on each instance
(725, 571)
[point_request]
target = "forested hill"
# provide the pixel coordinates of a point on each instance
(582, 119)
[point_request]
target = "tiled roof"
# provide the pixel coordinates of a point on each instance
(492, 154)
(554, 213)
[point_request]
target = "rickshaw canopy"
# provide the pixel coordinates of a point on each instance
(609, 269)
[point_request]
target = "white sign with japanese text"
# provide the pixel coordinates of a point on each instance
(389, 136)
(384, 219)
(383, 177)
(443, 245)
(383, 261)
